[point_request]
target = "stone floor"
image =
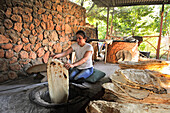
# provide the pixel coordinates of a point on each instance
(14, 95)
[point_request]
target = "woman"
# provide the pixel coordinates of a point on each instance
(83, 67)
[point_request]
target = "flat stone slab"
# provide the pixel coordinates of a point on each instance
(101, 106)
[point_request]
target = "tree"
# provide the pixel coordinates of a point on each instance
(166, 25)
(124, 21)
(131, 19)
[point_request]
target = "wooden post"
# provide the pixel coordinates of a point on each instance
(168, 54)
(111, 26)
(107, 32)
(159, 40)
(97, 31)
(105, 52)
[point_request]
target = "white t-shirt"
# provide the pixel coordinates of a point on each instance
(80, 51)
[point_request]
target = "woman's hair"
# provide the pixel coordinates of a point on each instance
(83, 34)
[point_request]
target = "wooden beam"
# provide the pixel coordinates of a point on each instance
(159, 40)
(111, 26)
(151, 45)
(149, 36)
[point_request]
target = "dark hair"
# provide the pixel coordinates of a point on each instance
(82, 33)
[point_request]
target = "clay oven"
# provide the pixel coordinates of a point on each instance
(122, 51)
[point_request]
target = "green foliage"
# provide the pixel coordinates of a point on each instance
(145, 46)
(166, 25)
(133, 20)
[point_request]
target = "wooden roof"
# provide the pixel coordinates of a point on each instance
(120, 3)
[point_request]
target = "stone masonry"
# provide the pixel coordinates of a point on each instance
(32, 30)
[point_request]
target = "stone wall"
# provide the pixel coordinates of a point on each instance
(32, 30)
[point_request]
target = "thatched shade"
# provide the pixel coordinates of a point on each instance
(120, 3)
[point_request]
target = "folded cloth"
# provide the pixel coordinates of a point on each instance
(96, 76)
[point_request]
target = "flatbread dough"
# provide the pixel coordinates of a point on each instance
(37, 68)
(125, 92)
(58, 81)
(138, 79)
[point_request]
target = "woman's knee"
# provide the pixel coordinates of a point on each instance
(73, 72)
(84, 74)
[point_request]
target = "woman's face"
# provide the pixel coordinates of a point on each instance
(80, 40)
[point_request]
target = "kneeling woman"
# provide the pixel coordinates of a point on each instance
(83, 67)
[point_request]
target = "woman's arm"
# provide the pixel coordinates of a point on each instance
(81, 61)
(84, 59)
(65, 53)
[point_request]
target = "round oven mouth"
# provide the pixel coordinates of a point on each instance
(40, 96)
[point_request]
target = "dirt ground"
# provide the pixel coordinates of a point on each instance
(14, 95)
(108, 68)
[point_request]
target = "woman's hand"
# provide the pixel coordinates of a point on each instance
(68, 65)
(65, 53)
(55, 56)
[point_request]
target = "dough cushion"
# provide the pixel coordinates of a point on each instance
(58, 81)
